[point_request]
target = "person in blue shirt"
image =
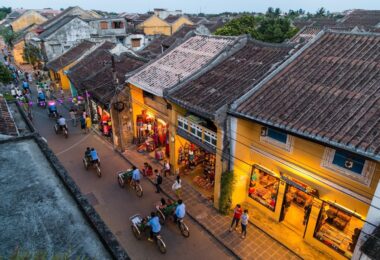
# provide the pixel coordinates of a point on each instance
(155, 226)
(25, 85)
(41, 97)
(136, 175)
(94, 156)
(180, 211)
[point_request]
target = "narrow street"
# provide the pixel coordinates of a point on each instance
(116, 205)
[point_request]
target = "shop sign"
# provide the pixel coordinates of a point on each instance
(299, 185)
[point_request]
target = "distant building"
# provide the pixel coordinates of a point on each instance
(164, 13)
(26, 19)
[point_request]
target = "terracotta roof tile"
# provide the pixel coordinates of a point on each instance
(179, 63)
(7, 124)
(101, 86)
(154, 48)
(231, 78)
(70, 56)
(365, 18)
(93, 62)
(172, 18)
(330, 92)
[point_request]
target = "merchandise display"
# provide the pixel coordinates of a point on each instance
(152, 135)
(338, 229)
(263, 188)
(193, 159)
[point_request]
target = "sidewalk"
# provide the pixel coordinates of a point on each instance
(257, 245)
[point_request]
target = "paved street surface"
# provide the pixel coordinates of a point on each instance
(116, 205)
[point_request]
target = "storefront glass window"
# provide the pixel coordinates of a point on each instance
(263, 187)
(338, 229)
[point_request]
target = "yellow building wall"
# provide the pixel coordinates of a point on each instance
(304, 163)
(18, 52)
(155, 25)
(64, 81)
(137, 105)
(28, 18)
(178, 23)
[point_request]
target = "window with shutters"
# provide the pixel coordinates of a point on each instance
(104, 25)
(136, 43)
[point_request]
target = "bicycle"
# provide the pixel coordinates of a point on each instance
(126, 176)
(167, 212)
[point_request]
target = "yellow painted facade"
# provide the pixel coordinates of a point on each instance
(155, 25)
(61, 76)
(28, 18)
(301, 162)
(18, 52)
(179, 22)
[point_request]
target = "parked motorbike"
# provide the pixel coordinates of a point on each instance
(87, 163)
(61, 130)
(124, 177)
(42, 103)
(139, 226)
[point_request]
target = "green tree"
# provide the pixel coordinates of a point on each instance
(244, 25)
(32, 54)
(275, 30)
(8, 36)
(5, 74)
(4, 11)
(321, 12)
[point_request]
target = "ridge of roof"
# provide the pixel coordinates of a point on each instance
(57, 25)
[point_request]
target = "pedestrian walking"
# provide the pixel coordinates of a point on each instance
(166, 168)
(82, 124)
(73, 117)
(177, 186)
(158, 181)
(238, 211)
(13, 92)
(244, 223)
(88, 124)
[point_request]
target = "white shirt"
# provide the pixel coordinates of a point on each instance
(62, 121)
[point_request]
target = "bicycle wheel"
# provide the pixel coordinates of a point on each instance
(161, 217)
(98, 171)
(161, 245)
(120, 180)
(184, 229)
(136, 232)
(139, 191)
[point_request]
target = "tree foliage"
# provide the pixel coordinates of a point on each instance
(4, 11)
(226, 189)
(32, 54)
(8, 36)
(270, 27)
(5, 74)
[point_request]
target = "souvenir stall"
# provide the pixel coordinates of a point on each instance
(198, 165)
(105, 124)
(152, 135)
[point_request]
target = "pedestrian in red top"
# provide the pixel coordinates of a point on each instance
(238, 211)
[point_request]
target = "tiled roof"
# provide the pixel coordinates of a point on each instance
(230, 79)
(154, 48)
(212, 26)
(7, 124)
(90, 64)
(101, 87)
(365, 18)
(179, 34)
(56, 18)
(172, 18)
(306, 34)
(70, 56)
(328, 92)
(54, 27)
(180, 62)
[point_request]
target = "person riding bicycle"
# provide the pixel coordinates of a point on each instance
(155, 227)
(180, 211)
(94, 156)
(136, 175)
(87, 154)
(62, 122)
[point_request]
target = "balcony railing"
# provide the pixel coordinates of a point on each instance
(203, 134)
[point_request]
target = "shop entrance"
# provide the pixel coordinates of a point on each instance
(197, 166)
(152, 136)
(296, 209)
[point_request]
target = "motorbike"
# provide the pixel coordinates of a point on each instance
(42, 103)
(60, 129)
(52, 110)
(87, 163)
(167, 212)
(124, 177)
(139, 226)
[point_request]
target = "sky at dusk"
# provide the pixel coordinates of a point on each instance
(195, 6)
